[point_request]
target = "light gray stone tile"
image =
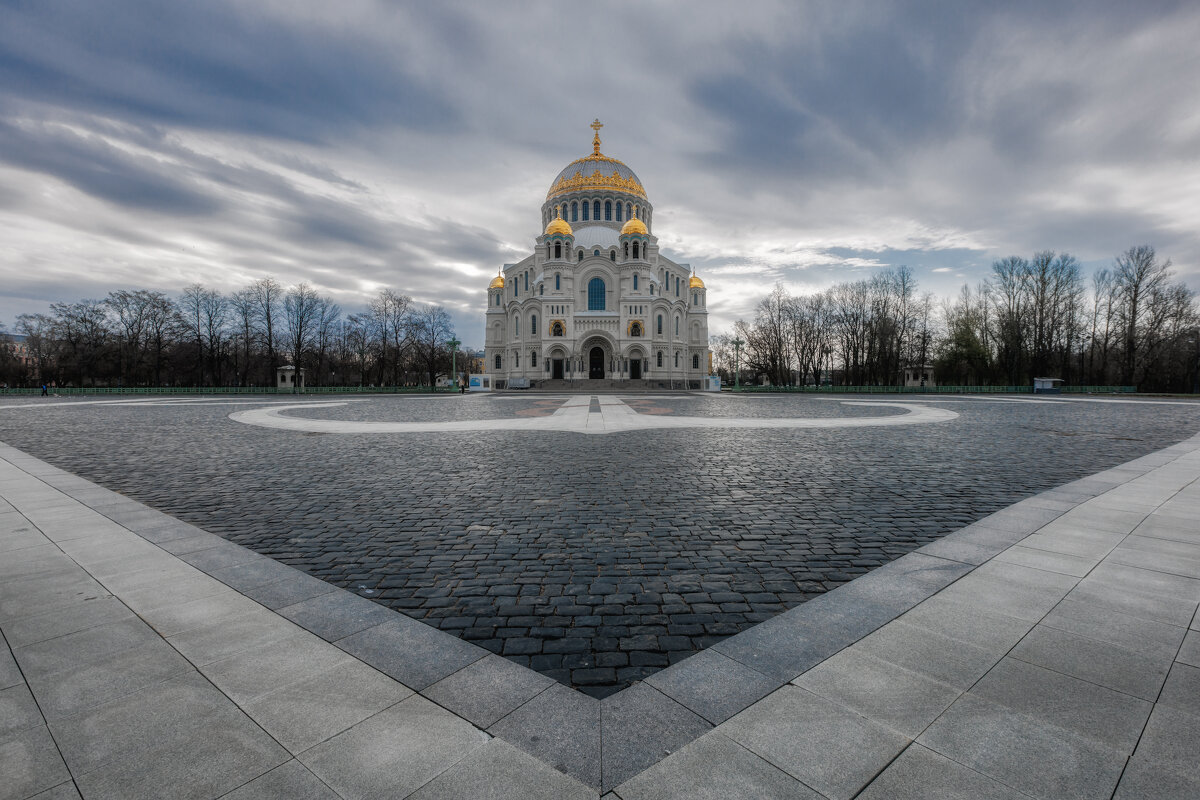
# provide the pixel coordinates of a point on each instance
(1076, 566)
(560, 727)
(60, 622)
(337, 615)
(292, 589)
(10, 675)
(232, 635)
(1145, 779)
(18, 711)
(273, 666)
(1147, 605)
(640, 726)
(64, 791)
(960, 549)
(1024, 752)
(714, 768)
(180, 617)
(1158, 562)
(229, 751)
(1127, 671)
(307, 712)
(901, 699)
(826, 746)
(290, 781)
(1111, 718)
(395, 752)
(72, 690)
(499, 771)
(30, 763)
(1189, 652)
(947, 660)
(486, 690)
(972, 625)
(919, 774)
(1171, 738)
(1106, 625)
(84, 647)
(1182, 689)
(712, 685)
(25, 598)
(164, 714)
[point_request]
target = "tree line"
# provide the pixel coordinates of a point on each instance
(1130, 324)
(203, 337)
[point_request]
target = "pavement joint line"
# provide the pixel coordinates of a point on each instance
(1140, 471)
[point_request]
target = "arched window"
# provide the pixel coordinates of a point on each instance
(533, 358)
(618, 212)
(612, 256)
(635, 249)
(517, 359)
(557, 282)
(596, 210)
(497, 361)
(574, 212)
(677, 359)
(596, 252)
(695, 361)
(533, 325)
(541, 289)
(564, 211)
(586, 208)
(581, 255)
(527, 281)
(628, 211)
(677, 287)
(660, 354)
(516, 326)
(660, 328)
(608, 210)
(596, 294)
(557, 330)
(497, 298)
(635, 277)
(635, 329)
(695, 298)
(558, 249)
(677, 326)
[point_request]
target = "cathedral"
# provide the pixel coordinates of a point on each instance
(596, 301)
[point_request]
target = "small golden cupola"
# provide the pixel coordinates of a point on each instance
(634, 225)
(560, 226)
(497, 282)
(695, 282)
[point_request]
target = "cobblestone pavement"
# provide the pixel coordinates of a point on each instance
(595, 560)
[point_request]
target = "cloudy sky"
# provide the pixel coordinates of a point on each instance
(359, 145)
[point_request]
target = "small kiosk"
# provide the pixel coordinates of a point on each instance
(1047, 385)
(288, 378)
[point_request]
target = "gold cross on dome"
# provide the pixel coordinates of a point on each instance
(596, 126)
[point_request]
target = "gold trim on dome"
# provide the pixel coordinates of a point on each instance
(596, 181)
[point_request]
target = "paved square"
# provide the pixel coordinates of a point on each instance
(596, 560)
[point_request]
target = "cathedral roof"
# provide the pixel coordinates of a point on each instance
(596, 172)
(596, 236)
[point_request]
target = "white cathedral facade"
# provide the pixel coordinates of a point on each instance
(595, 300)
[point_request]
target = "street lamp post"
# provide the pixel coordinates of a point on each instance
(737, 373)
(454, 343)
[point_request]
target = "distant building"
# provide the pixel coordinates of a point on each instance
(919, 376)
(596, 300)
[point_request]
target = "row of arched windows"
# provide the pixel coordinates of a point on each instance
(598, 210)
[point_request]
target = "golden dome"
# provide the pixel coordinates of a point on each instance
(634, 226)
(559, 225)
(695, 283)
(497, 282)
(596, 172)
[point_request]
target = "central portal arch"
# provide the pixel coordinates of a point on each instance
(596, 363)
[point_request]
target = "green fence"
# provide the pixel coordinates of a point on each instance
(935, 389)
(105, 390)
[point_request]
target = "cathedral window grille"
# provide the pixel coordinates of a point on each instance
(533, 325)
(659, 358)
(635, 282)
(608, 210)
(635, 249)
(677, 287)
(596, 210)
(627, 250)
(596, 294)
(676, 360)
(517, 359)
(497, 361)
(574, 212)
(695, 361)
(586, 209)
(618, 212)
(558, 249)
(533, 358)
(660, 328)
(557, 282)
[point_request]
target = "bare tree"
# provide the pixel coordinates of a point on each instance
(302, 309)
(267, 295)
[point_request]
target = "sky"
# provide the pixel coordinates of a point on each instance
(364, 145)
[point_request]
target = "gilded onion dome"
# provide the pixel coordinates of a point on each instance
(596, 172)
(695, 283)
(634, 226)
(560, 226)
(497, 282)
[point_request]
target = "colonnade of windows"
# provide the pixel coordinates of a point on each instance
(597, 210)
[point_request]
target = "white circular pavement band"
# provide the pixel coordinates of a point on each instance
(575, 416)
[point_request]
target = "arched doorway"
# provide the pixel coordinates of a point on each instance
(596, 363)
